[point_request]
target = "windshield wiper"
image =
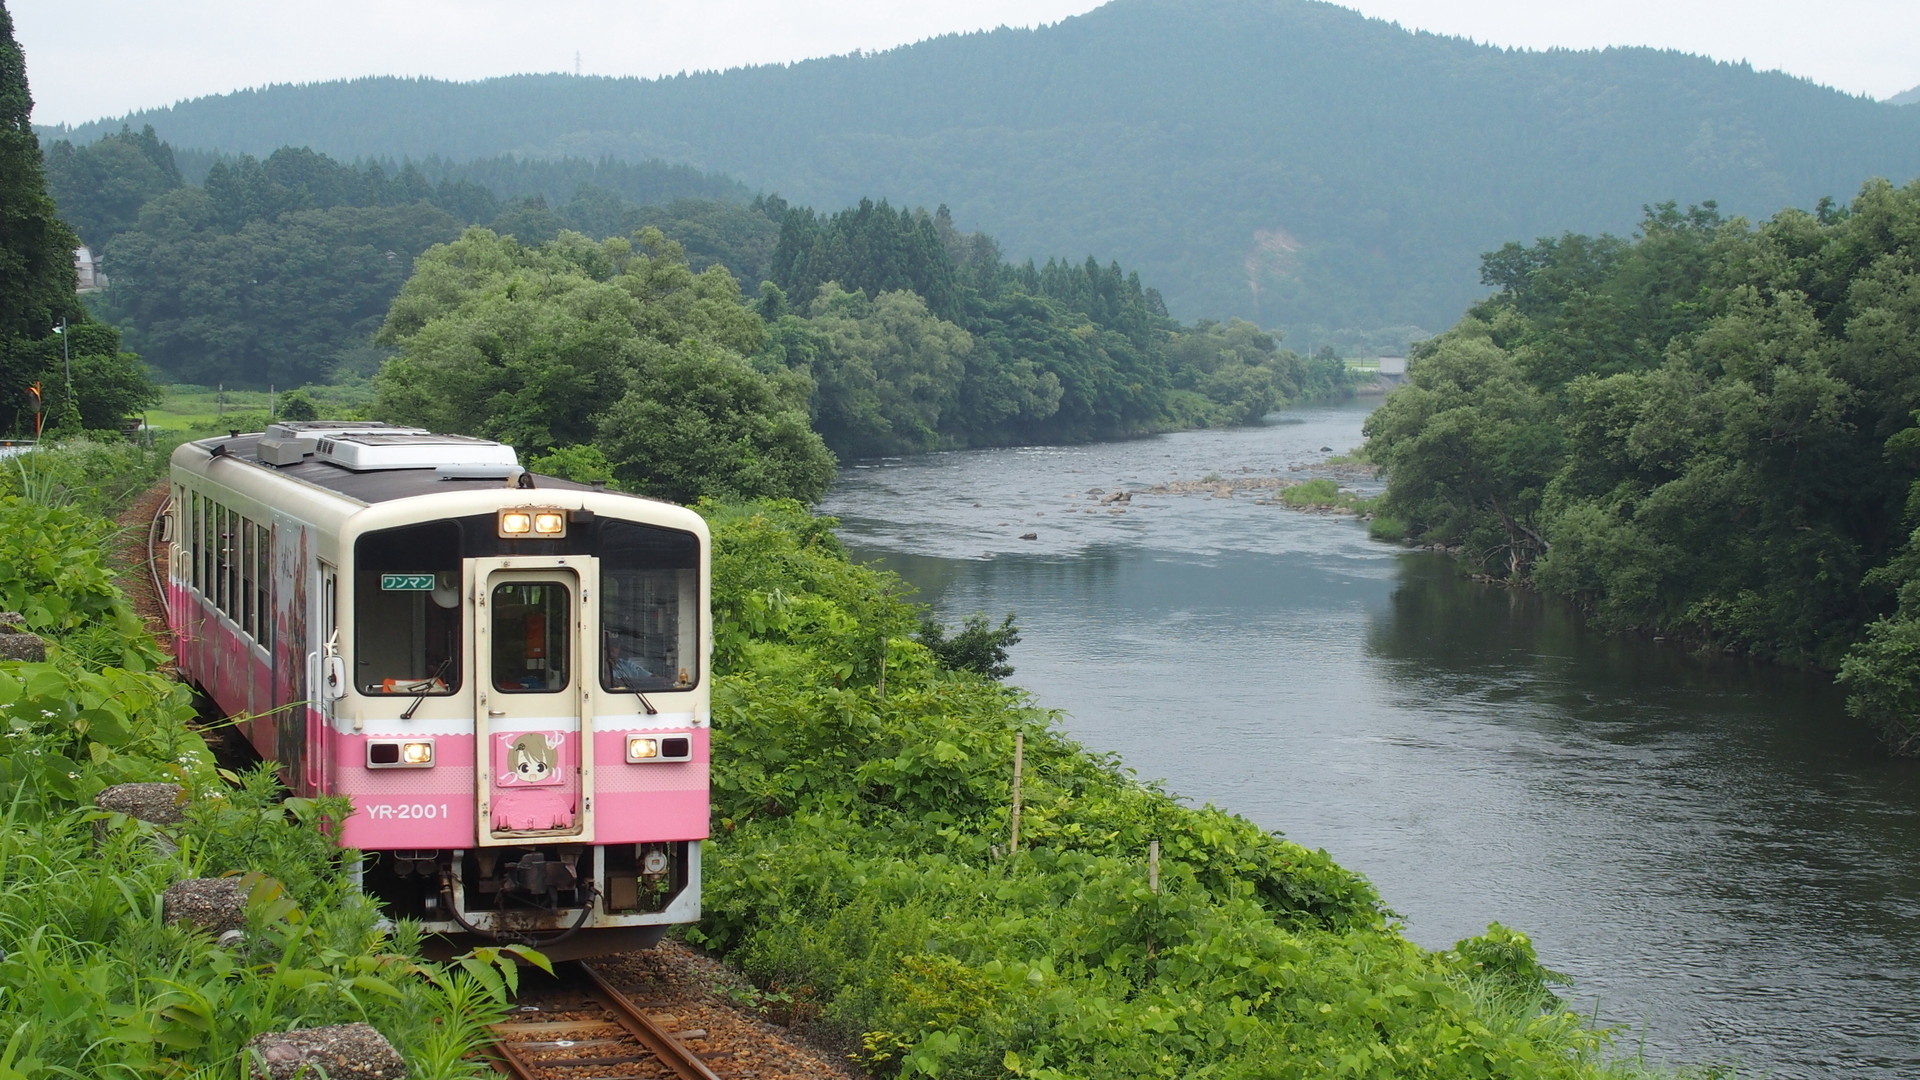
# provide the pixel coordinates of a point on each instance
(431, 679)
(644, 703)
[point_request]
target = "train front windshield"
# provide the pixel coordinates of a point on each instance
(408, 586)
(407, 620)
(650, 591)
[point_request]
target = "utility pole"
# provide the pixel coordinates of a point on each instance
(66, 355)
(66, 360)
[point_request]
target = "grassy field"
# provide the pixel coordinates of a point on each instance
(202, 408)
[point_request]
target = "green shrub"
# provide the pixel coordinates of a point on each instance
(1322, 492)
(1387, 528)
(54, 572)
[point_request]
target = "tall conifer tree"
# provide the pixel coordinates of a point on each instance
(36, 249)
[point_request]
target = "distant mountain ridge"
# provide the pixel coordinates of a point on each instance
(1286, 160)
(1906, 97)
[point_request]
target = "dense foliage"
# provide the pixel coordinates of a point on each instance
(682, 390)
(611, 345)
(1707, 431)
(100, 187)
(273, 271)
(278, 271)
(92, 981)
(863, 870)
(919, 337)
(87, 382)
(1287, 161)
(907, 334)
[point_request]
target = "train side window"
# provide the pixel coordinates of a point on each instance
(249, 616)
(213, 553)
(222, 559)
(649, 599)
(263, 583)
(236, 560)
(229, 563)
(196, 544)
(207, 540)
(407, 620)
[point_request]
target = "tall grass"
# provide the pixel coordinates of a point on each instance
(95, 476)
(93, 981)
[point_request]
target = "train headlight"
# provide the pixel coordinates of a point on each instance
(641, 748)
(544, 522)
(400, 754)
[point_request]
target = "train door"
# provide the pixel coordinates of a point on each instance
(287, 622)
(330, 684)
(534, 666)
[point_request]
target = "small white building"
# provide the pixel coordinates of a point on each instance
(1393, 369)
(86, 269)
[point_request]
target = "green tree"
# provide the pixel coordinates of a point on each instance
(110, 385)
(297, 405)
(36, 248)
(100, 187)
(1469, 446)
(978, 645)
(273, 301)
(700, 421)
(1707, 432)
(887, 372)
(616, 345)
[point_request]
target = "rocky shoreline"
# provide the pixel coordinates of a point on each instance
(1267, 488)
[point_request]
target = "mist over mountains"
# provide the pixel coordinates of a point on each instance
(1287, 161)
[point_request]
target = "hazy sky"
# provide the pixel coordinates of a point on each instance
(88, 59)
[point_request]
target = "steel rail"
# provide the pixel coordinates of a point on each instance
(622, 1013)
(153, 556)
(676, 1056)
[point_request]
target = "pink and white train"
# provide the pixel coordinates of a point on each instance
(506, 673)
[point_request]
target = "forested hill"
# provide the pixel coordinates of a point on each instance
(1285, 160)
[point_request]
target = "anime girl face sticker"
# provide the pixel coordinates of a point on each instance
(536, 781)
(532, 757)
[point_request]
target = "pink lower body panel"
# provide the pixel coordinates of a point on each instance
(220, 661)
(650, 801)
(425, 809)
(436, 808)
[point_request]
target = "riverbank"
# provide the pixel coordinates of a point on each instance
(1689, 837)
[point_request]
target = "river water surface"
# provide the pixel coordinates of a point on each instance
(1711, 849)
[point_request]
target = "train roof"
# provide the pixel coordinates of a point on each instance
(374, 463)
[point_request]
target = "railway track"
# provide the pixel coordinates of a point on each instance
(584, 1029)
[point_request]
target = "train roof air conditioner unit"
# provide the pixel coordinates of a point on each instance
(363, 451)
(290, 441)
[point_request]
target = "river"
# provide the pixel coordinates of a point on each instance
(1711, 849)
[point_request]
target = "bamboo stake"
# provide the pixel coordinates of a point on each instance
(1153, 867)
(1019, 759)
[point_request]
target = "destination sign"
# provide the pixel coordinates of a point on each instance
(406, 582)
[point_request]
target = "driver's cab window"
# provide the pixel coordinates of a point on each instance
(649, 601)
(532, 623)
(406, 610)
